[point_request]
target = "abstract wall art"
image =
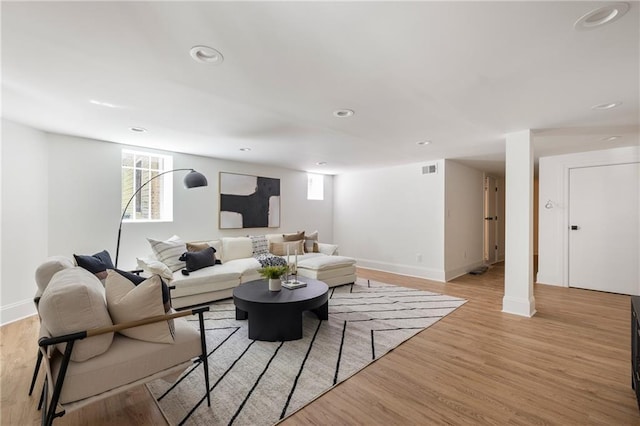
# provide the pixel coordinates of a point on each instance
(248, 201)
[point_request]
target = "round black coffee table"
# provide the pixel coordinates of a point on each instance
(277, 315)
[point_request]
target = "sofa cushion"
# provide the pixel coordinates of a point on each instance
(209, 279)
(328, 249)
(49, 268)
(311, 243)
(328, 275)
(126, 361)
(195, 260)
(137, 279)
(169, 251)
(155, 267)
(325, 262)
(243, 266)
(72, 302)
(280, 249)
(129, 302)
(296, 236)
(274, 238)
(197, 246)
(236, 248)
(97, 263)
(216, 244)
(260, 244)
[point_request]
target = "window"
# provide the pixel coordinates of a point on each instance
(315, 187)
(155, 200)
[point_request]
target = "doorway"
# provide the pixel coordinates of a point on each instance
(490, 220)
(604, 228)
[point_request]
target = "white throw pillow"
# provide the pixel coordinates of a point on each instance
(169, 251)
(328, 249)
(236, 248)
(274, 238)
(128, 302)
(155, 267)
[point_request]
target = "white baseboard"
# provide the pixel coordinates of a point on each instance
(408, 270)
(463, 270)
(16, 311)
(541, 278)
(519, 306)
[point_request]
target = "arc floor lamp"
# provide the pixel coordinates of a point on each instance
(193, 179)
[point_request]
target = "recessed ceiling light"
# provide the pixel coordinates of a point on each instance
(138, 129)
(343, 113)
(611, 138)
(104, 104)
(607, 105)
(321, 163)
(245, 149)
(423, 142)
(206, 55)
(601, 16)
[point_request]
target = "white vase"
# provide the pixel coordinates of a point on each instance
(275, 284)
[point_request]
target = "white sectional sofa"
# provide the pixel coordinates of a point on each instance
(240, 266)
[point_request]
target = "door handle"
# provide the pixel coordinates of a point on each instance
(575, 227)
(488, 218)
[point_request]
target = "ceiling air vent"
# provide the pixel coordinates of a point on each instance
(431, 168)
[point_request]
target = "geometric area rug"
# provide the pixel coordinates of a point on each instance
(260, 383)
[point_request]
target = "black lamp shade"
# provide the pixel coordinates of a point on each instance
(194, 179)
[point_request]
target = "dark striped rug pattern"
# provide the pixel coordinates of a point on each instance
(259, 383)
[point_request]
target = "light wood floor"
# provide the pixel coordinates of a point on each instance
(568, 365)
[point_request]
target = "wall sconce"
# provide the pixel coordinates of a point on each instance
(549, 205)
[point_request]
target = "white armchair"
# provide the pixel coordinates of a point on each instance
(71, 385)
(91, 352)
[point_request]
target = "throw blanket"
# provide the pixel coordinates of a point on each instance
(268, 259)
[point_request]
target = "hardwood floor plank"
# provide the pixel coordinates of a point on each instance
(568, 365)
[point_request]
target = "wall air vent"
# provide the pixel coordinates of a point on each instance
(429, 169)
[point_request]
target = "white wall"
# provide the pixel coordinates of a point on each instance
(24, 217)
(464, 200)
(554, 223)
(69, 203)
(85, 201)
(392, 219)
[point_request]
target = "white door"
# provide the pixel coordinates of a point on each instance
(603, 228)
(490, 220)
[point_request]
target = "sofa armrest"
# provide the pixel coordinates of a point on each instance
(328, 249)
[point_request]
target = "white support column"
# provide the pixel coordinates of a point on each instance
(518, 271)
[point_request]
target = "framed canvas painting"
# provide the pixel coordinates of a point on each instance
(248, 201)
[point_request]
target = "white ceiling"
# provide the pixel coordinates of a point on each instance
(461, 74)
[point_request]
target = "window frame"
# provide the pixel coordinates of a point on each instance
(165, 213)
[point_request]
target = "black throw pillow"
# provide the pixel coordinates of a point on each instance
(199, 259)
(137, 279)
(96, 263)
